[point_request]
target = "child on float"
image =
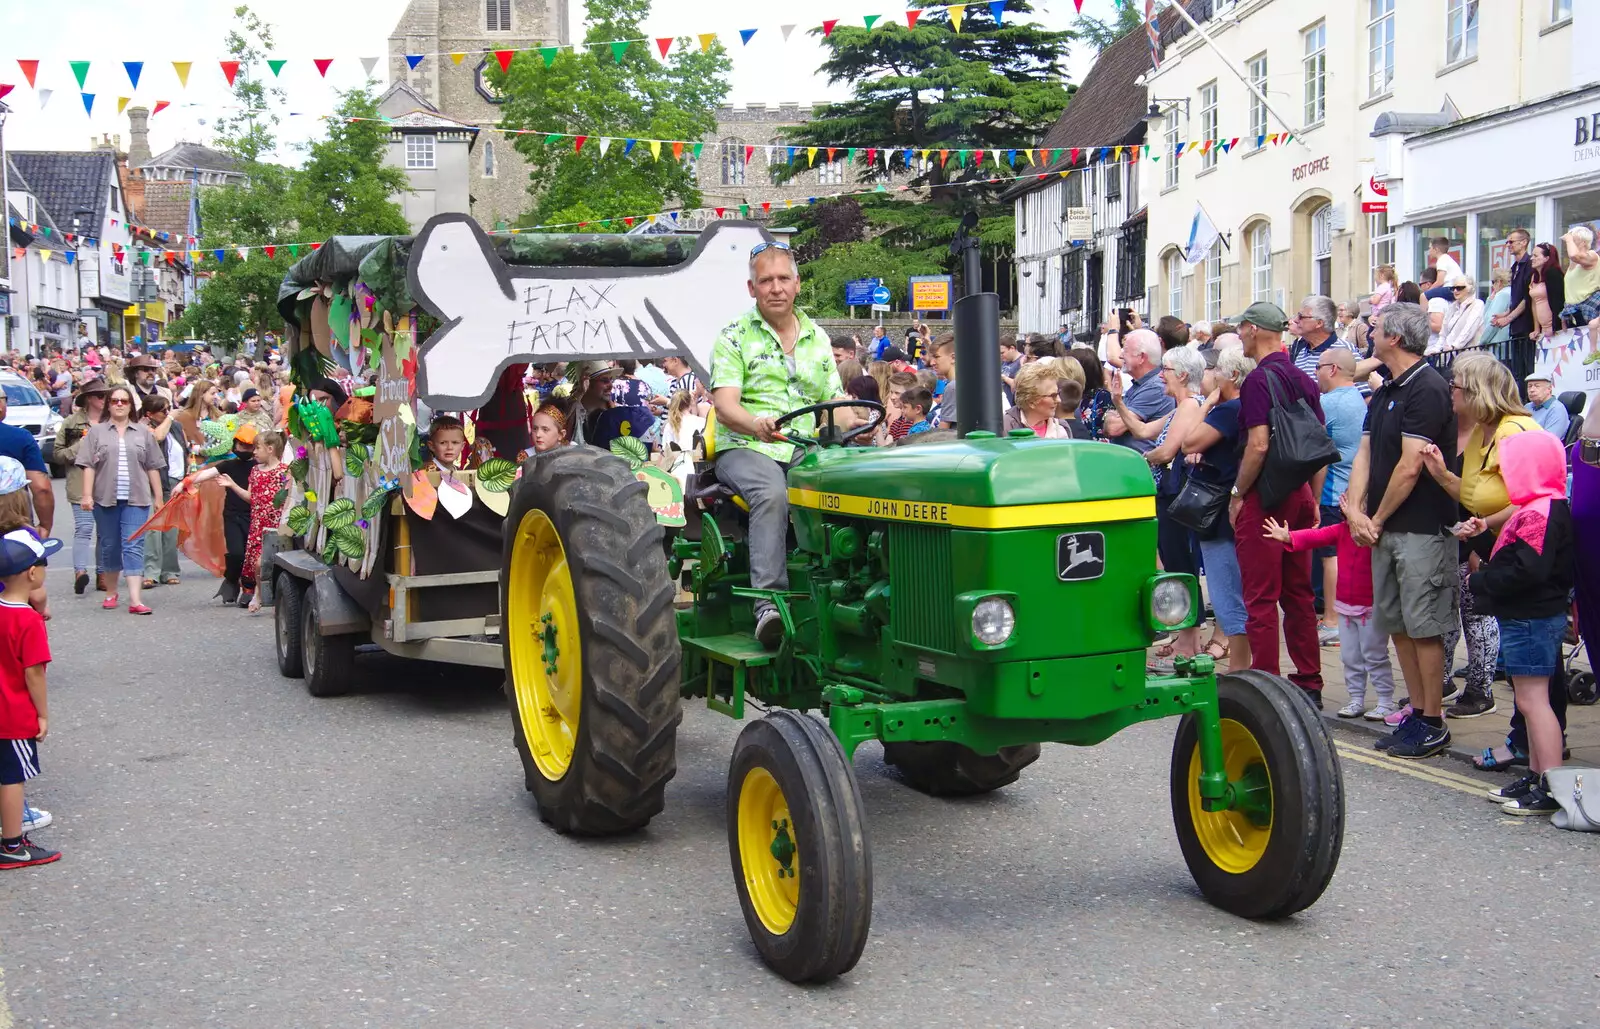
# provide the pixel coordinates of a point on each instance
(550, 428)
(447, 444)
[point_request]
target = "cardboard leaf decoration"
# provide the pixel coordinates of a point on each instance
(496, 475)
(298, 469)
(299, 520)
(454, 496)
(422, 498)
(355, 459)
(339, 514)
(339, 318)
(498, 501)
(631, 450)
(373, 506)
(350, 542)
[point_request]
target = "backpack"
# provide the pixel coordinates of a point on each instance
(1299, 446)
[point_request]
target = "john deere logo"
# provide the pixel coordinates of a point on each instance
(1080, 556)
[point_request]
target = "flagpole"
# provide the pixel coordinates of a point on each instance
(1233, 67)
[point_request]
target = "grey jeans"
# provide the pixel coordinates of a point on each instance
(762, 483)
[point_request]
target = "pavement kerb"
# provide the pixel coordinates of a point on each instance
(1376, 730)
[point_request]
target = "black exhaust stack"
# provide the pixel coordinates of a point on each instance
(977, 328)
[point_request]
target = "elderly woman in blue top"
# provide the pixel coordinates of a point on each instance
(771, 361)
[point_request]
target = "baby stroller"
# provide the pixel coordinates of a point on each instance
(1581, 687)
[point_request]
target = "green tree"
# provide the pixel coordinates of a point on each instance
(589, 91)
(345, 188)
(1100, 33)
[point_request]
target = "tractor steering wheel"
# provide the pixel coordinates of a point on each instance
(831, 436)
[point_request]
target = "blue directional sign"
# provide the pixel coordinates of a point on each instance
(859, 292)
(880, 295)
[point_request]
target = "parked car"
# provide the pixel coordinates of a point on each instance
(28, 408)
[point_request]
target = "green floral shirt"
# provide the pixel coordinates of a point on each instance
(749, 356)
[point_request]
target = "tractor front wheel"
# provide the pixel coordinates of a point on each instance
(590, 642)
(944, 769)
(1275, 850)
(798, 841)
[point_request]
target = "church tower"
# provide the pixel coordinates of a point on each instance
(438, 28)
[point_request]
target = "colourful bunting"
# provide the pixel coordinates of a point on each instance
(870, 19)
(619, 48)
(80, 71)
(219, 254)
(134, 70)
(322, 64)
(811, 156)
(88, 103)
(277, 66)
(677, 151)
(957, 12)
(70, 256)
(911, 18)
(827, 26)
(745, 36)
(664, 43)
(412, 60)
(655, 149)
(549, 54)
(122, 103)
(44, 255)
(786, 29)
(503, 57)
(230, 69)
(997, 8)
(315, 247)
(577, 143)
(706, 39)
(270, 251)
(5, 88)
(161, 105)
(456, 58)
(369, 65)
(749, 152)
(29, 70)
(182, 68)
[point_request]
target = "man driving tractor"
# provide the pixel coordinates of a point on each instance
(773, 360)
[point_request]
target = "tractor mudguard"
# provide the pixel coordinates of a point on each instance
(340, 614)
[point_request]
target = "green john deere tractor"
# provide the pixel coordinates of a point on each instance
(960, 602)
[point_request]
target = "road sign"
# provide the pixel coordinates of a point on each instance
(880, 296)
(930, 292)
(880, 308)
(858, 292)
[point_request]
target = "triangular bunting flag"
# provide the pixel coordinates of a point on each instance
(368, 64)
(811, 156)
(194, 255)
(1178, 150)
(242, 254)
(270, 251)
(827, 28)
(322, 64)
(577, 143)
(5, 89)
(627, 146)
(706, 39)
(182, 68)
(786, 30)
(412, 60)
(29, 70)
(551, 138)
(144, 258)
(122, 102)
(719, 211)
(277, 66)
(1205, 147)
(911, 18)
(80, 70)
(230, 69)
(749, 152)
(696, 151)
(997, 8)
(957, 12)
(456, 58)
(161, 105)
(1055, 155)
(628, 222)
(70, 256)
(664, 43)
(744, 210)
(504, 58)
(869, 19)
(655, 149)
(618, 48)
(792, 152)
(605, 144)
(88, 103)
(1030, 157)
(219, 253)
(766, 205)
(1011, 158)
(549, 54)
(745, 35)
(944, 155)
(677, 149)
(44, 255)
(134, 70)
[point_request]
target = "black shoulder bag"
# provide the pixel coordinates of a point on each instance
(1299, 447)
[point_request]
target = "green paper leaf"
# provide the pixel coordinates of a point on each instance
(339, 514)
(350, 542)
(300, 520)
(330, 551)
(375, 503)
(339, 309)
(298, 469)
(630, 450)
(497, 474)
(355, 459)
(279, 497)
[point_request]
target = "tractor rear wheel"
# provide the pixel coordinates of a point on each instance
(1275, 853)
(797, 837)
(944, 769)
(590, 642)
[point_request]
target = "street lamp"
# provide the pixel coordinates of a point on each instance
(1156, 115)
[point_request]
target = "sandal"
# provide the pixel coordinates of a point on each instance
(1164, 652)
(110, 603)
(171, 580)
(1488, 762)
(1213, 648)
(150, 584)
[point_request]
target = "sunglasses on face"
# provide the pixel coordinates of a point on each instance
(1460, 289)
(121, 400)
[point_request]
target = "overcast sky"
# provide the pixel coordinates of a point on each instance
(108, 32)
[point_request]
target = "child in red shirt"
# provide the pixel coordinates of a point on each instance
(24, 710)
(1363, 649)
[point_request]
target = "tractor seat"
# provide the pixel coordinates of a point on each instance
(708, 491)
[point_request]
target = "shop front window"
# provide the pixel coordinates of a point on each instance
(1382, 240)
(1452, 229)
(1582, 209)
(1493, 228)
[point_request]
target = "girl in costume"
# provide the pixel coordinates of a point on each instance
(268, 478)
(549, 429)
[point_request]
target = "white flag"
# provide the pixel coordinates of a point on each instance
(44, 97)
(368, 64)
(1203, 235)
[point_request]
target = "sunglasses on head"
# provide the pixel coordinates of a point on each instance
(776, 244)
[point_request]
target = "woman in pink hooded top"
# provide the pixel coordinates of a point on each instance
(1527, 585)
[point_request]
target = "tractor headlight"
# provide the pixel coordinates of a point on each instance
(993, 621)
(1170, 603)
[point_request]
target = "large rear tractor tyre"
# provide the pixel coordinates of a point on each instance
(329, 661)
(797, 837)
(951, 770)
(590, 643)
(1274, 854)
(286, 626)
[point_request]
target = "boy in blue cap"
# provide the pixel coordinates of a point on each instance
(24, 710)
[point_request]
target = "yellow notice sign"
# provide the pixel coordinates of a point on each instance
(930, 293)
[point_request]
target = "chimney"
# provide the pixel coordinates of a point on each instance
(138, 137)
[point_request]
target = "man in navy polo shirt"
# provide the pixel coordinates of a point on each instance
(1146, 396)
(17, 442)
(1272, 575)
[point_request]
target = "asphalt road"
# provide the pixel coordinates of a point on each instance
(240, 854)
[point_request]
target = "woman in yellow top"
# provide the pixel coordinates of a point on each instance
(1583, 282)
(1487, 411)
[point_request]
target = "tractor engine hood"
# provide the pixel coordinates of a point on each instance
(978, 484)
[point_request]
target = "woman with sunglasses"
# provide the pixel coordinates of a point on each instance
(1463, 319)
(122, 465)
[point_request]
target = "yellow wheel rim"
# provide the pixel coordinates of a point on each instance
(768, 851)
(541, 626)
(1231, 840)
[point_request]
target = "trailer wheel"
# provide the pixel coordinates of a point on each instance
(286, 625)
(797, 838)
(590, 642)
(943, 769)
(1274, 854)
(329, 661)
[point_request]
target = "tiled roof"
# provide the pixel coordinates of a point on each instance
(19, 183)
(68, 182)
(166, 206)
(191, 155)
(1108, 108)
(429, 120)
